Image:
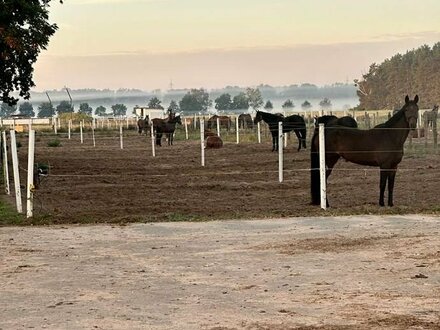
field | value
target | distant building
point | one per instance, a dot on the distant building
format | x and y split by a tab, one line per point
152	113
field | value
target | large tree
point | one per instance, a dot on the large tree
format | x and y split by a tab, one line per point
154	103
64	107
46	110
24	32
240	101
254	97
26	109
223	102
119	110
195	100
6	109
100	111
85	108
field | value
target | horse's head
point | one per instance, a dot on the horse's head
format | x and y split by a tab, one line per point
411	110
435	109
178	120
258	117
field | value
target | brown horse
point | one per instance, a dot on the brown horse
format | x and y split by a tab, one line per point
143	124
381	146
430	116
165	126
245	121
224	121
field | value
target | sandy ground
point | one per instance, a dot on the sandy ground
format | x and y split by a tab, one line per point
369	272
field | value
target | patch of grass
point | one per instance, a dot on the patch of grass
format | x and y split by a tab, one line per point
54	143
8	215
178	217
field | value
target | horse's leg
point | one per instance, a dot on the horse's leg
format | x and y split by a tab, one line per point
303	136
330	162
382	185
299	138
391	177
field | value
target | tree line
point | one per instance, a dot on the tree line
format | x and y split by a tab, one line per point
385	85
195	100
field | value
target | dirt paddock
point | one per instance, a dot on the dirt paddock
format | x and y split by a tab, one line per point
107	184
366	272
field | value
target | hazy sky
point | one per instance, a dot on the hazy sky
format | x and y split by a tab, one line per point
146	44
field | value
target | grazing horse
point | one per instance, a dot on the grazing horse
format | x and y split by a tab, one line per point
381	146
143	124
294	122
245	121
224	121
165	126
430	116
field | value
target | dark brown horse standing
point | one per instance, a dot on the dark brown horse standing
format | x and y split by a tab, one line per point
143	125
381	146
245	121
294	122
224	121
430	116
165	126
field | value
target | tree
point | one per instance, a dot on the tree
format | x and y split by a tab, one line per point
240	102
195	100
26	109
64	107
85	108
119	110
223	102
100	111
288	104
325	103
6	110
154	103
268	106
46	110
24	32
306	105
254	97
173	107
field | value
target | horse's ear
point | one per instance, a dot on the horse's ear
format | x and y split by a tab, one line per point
406	99
416	99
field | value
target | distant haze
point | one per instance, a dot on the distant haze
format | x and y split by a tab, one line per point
150	44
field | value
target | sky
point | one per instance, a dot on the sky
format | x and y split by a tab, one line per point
162	44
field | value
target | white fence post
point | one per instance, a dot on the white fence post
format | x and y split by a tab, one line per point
202	140
259	132
5	165
186	129
16	173
30	176
93	133
237	132
153	146
55	126
322	169
81	131
280	151
69	128
218	126
121	136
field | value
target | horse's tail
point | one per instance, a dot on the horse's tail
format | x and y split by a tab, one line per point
315	182
303	132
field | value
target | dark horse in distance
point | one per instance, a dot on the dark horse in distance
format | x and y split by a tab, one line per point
381	146
245	121
294	122
143	124
165	126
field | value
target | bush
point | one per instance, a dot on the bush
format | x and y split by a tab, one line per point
54	143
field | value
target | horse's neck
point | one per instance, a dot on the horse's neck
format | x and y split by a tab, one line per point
399	126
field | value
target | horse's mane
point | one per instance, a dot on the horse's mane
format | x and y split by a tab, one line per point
395	118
